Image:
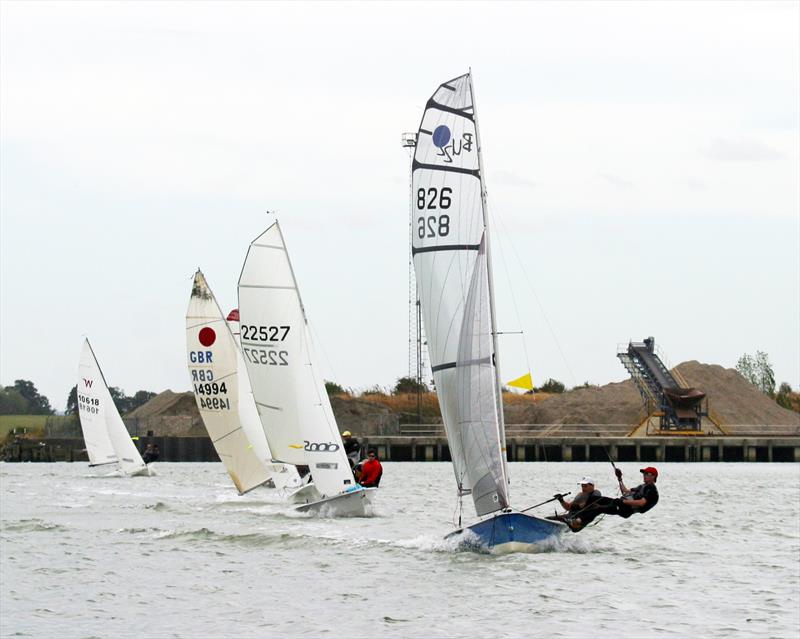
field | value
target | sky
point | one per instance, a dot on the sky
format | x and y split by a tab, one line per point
641	161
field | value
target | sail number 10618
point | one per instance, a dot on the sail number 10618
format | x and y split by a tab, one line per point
433	225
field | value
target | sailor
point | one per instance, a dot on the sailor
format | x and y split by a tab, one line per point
351	448
371	470
587	496
639	500
149	454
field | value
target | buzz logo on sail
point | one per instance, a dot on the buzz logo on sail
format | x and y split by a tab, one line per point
444	141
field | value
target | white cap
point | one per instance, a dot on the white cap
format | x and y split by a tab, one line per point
586	480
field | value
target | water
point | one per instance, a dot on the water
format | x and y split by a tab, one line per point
182	555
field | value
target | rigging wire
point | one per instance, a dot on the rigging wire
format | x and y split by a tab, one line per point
501	223
494	217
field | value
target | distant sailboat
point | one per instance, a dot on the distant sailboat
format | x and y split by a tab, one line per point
291	399
223	396
450	248
107	440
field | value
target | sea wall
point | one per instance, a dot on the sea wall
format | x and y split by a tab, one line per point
434	448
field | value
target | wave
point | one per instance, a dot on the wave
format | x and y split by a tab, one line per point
33	525
256	539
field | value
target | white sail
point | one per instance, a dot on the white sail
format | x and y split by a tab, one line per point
213	367
291	400
449	227
477	398
282	475
107	439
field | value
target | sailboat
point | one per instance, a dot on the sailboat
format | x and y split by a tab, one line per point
223	396
291	398
107	439
452	262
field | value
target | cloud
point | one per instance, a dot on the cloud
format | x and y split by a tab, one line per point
740	151
695	184
617	181
511	179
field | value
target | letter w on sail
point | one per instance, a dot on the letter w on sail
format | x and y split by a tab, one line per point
88	382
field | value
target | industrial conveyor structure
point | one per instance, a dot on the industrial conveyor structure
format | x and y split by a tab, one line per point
678	407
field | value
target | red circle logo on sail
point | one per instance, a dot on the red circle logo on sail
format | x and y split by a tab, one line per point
207	336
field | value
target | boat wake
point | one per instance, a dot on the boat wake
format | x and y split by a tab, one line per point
437	544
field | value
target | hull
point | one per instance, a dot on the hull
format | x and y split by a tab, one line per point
116	471
355	503
507	533
144	472
306	494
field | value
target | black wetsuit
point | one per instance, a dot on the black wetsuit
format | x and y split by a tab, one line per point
609	506
582	500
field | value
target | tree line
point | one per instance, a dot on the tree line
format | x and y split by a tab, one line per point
757	370
24	399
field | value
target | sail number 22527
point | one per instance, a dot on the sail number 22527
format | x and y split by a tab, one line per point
264	333
264	356
432	199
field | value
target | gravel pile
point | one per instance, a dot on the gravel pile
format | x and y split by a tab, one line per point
730	397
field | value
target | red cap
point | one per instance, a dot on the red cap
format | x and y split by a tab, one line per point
650	470
233	316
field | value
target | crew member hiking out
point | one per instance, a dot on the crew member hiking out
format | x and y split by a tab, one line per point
639	500
587	496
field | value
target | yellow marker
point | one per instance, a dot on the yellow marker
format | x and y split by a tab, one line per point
522	382
296	446
136	439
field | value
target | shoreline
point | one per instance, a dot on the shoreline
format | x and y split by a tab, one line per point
656	449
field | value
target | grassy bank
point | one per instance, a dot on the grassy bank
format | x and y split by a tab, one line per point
33	423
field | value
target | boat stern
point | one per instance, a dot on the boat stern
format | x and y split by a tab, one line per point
357	502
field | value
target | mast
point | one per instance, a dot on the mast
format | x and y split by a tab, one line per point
501	426
409	141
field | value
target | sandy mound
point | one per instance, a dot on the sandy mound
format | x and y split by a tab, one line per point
733	398
730	397
167	403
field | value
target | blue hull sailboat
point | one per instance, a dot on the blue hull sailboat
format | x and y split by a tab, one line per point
507	533
452	263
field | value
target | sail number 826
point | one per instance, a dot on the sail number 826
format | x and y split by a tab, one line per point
434	198
433	225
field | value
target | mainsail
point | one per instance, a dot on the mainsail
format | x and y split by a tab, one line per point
276	344
453	272
282	475
107	439
213	367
